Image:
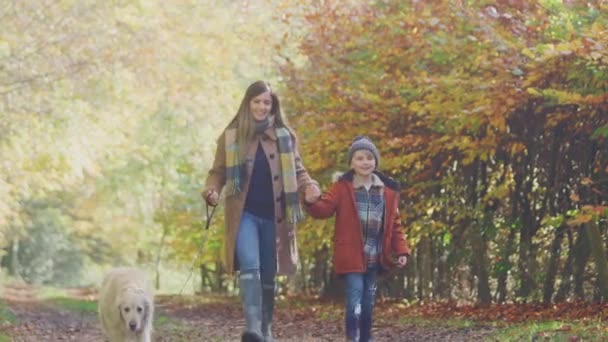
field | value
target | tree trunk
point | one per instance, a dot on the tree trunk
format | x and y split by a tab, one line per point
11	259
566	281
425	275
205	278
158	257
549	285
582	249
503	274
599	255
410	270
442	289
526	254
400	285
479	264
524	247
333	289
15	265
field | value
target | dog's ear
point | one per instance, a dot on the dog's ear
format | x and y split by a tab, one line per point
120	312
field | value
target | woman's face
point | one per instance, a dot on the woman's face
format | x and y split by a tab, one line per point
260	106
363	163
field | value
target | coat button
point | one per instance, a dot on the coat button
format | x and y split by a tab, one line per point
276	178
279	199
279	220
271	156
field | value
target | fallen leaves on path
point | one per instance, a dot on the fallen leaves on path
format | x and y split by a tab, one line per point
218	318
511	312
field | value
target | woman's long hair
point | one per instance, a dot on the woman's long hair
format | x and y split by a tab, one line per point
244	121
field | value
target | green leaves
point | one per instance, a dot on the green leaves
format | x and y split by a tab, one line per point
120	104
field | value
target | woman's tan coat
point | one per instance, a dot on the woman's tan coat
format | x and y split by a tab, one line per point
286	247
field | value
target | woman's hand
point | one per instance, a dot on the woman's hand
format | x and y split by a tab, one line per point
402	261
312	194
211	197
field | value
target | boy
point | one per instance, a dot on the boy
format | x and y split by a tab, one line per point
367	235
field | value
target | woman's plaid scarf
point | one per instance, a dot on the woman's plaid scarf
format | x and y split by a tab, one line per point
235	170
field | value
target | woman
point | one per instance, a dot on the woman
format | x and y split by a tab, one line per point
258	163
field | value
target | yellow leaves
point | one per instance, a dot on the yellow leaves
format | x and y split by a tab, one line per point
416	107
534	92
528	53
517	148
5	48
567	97
547	51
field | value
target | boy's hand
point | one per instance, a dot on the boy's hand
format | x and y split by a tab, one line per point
312	194
402	261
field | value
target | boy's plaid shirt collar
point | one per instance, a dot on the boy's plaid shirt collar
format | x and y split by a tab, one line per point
376	182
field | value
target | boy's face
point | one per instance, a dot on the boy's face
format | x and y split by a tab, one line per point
363	163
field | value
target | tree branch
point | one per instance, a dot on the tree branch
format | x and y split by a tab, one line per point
15	86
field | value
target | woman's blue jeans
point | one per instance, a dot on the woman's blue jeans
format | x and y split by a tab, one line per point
360	298
255	252
255	247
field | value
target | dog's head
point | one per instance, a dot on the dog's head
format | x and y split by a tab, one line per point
134	308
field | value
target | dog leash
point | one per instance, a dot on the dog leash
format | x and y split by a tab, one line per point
200	247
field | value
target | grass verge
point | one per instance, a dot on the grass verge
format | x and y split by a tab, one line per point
436	322
6	318
80	305
553	331
73	304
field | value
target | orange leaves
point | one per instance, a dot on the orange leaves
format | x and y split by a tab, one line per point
587	213
499	312
580	219
445	88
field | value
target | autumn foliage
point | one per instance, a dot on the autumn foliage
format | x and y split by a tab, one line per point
493	116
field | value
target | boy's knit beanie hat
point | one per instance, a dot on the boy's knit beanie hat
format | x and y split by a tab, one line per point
362	142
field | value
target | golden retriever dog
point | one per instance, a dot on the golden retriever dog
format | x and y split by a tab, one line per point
126	305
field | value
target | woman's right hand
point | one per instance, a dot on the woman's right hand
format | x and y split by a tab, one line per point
311	194
211	197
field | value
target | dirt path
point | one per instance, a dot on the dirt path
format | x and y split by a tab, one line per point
180	320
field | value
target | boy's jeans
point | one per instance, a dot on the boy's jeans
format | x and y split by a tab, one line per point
360	298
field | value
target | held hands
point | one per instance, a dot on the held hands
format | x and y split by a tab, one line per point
211	197
312	193
402	261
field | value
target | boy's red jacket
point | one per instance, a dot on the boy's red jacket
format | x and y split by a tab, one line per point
348	234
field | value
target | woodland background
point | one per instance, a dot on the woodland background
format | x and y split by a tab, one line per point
493	115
